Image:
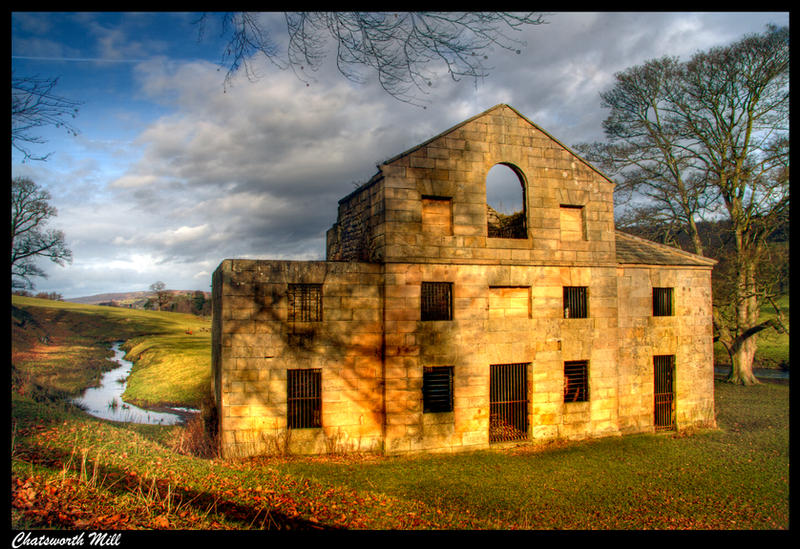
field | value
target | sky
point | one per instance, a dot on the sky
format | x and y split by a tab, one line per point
172	171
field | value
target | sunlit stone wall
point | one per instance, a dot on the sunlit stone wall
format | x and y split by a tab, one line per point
423	218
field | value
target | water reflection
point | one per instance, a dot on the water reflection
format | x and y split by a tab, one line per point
106	401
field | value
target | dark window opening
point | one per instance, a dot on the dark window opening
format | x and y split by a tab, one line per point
508	402
505	204
303	397
575	302
662	302
437	301
664	392
437	389
576	381
305	302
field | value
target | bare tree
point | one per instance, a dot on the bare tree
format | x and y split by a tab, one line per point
34	105
30	212
651	153
710	137
399	48
161	295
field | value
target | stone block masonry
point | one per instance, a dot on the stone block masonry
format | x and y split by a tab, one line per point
416	303
257	343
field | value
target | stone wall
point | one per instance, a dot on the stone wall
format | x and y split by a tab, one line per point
423	218
687	335
255	345
479	336
456	165
352	237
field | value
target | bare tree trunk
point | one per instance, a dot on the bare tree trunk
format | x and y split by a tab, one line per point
742	369
695	234
744	350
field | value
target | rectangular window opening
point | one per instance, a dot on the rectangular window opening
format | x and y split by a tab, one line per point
437	215
303	398
576	381
572	222
437	389
575	302
305	303
662	302
437	301
508	402
509	302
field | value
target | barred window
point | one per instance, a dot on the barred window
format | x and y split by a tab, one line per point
508	402
576	381
303	398
575	302
305	302
437	301
664	392
662	302
437	389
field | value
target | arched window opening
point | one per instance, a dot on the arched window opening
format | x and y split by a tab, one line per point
505	203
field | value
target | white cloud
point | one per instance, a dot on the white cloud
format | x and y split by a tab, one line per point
132	181
139	263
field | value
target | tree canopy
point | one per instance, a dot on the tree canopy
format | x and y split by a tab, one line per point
30	239
708	139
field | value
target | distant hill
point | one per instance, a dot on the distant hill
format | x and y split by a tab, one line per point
177	300
105	298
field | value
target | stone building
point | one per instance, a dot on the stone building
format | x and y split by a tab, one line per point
440	324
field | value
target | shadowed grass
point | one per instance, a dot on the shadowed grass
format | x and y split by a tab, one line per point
736	477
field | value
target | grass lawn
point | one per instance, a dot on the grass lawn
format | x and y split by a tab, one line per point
72	471
734	477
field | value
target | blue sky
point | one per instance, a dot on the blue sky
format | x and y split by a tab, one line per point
171	172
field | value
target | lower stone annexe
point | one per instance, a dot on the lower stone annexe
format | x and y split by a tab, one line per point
259	342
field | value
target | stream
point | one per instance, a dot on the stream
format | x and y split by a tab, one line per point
106	401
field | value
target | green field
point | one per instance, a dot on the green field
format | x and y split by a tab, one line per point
72	471
171	351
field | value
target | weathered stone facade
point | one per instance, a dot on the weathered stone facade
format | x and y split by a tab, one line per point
423	219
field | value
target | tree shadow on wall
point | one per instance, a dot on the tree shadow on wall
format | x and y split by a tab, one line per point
333	344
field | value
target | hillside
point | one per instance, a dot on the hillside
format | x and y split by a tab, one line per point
186	301
105	298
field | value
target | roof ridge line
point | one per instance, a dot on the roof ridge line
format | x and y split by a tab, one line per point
487	111
443	133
